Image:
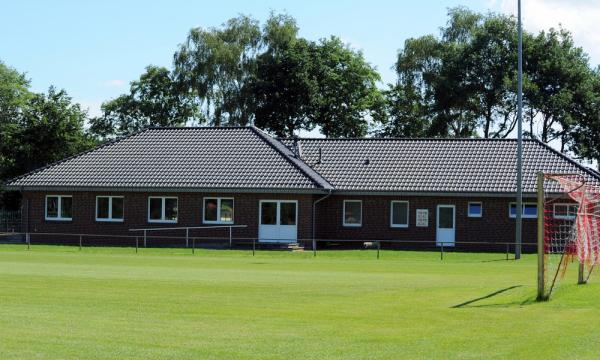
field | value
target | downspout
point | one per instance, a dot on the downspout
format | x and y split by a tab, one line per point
314	221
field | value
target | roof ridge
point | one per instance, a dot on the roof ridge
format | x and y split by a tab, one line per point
587	170
287	154
403	139
98	147
198	127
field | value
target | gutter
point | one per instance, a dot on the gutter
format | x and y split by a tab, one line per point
314	213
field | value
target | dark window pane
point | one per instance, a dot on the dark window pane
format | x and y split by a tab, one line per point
66	208
287	214
530	210
155	209
353	212
171	209
446	218
52	207
227	210
513	210
117	208
210	209
268	213
475	209
102	208
400	213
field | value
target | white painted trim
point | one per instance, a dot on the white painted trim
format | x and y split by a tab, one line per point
401	226
469	209
523	215
563	217
162	217
344	214
218	221
110	217
59	208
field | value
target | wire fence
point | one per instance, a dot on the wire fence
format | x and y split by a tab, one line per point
10	221
193	243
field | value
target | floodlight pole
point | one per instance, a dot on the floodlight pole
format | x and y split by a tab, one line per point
519	219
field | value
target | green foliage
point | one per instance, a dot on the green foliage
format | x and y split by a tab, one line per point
153	100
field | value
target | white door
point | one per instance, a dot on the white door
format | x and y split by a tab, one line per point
446	225
278	221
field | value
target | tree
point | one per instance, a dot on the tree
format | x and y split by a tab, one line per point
216	65
586	132
347	95
49	128
154	100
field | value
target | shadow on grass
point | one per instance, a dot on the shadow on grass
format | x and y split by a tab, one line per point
513	303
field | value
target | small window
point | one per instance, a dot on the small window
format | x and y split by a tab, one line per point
162	209
399	214
218	210
565	211
352	212
59	207
529	210
109	208
475	209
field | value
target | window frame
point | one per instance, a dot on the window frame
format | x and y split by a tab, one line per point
59	208
564	217
162	219
344	214
401	226
110	202
218	221
523	215
469	214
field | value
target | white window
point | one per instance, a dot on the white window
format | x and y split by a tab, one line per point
529	210
399	214
109	208
59	207
475	209
162	209
352	212
565	211
218	211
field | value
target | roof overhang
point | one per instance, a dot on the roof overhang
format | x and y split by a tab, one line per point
163	189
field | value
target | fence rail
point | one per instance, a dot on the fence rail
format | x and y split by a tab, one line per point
10	221
81	239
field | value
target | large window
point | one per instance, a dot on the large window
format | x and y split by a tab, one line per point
529	210
352	212
565	211
109	208
399	214
218	210
475	209
59	207
162	209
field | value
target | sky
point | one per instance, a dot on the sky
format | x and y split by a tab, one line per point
93	50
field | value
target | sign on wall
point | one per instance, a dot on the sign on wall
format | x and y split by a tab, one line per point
422	217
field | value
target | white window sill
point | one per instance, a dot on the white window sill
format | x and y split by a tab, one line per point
399	226
162	221
353	225
110	220
474	215
59	219
218	222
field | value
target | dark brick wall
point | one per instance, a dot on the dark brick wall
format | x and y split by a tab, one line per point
494	225
136	214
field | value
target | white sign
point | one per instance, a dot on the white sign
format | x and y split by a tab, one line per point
422	217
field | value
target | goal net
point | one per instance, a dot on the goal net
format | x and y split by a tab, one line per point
568	229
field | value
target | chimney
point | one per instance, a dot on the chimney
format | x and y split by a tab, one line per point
297	147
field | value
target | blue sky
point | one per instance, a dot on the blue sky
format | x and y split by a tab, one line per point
93	50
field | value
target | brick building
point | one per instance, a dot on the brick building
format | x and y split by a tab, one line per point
424	191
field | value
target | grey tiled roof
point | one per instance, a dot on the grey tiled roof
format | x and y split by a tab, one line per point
432	165
237	158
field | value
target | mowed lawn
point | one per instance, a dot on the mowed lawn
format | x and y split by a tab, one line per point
57	302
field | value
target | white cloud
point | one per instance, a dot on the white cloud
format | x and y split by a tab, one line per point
92	107
580	17
115	83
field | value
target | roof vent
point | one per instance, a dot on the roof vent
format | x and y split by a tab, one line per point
297	147
320	159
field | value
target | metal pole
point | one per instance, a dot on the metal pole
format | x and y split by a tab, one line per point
80	236
507	250
519	219
540	238
193	245
187	237
378	248
230	240
136	243
28	238
144	238
253	246
442	251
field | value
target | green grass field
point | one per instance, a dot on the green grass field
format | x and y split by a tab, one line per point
57	302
